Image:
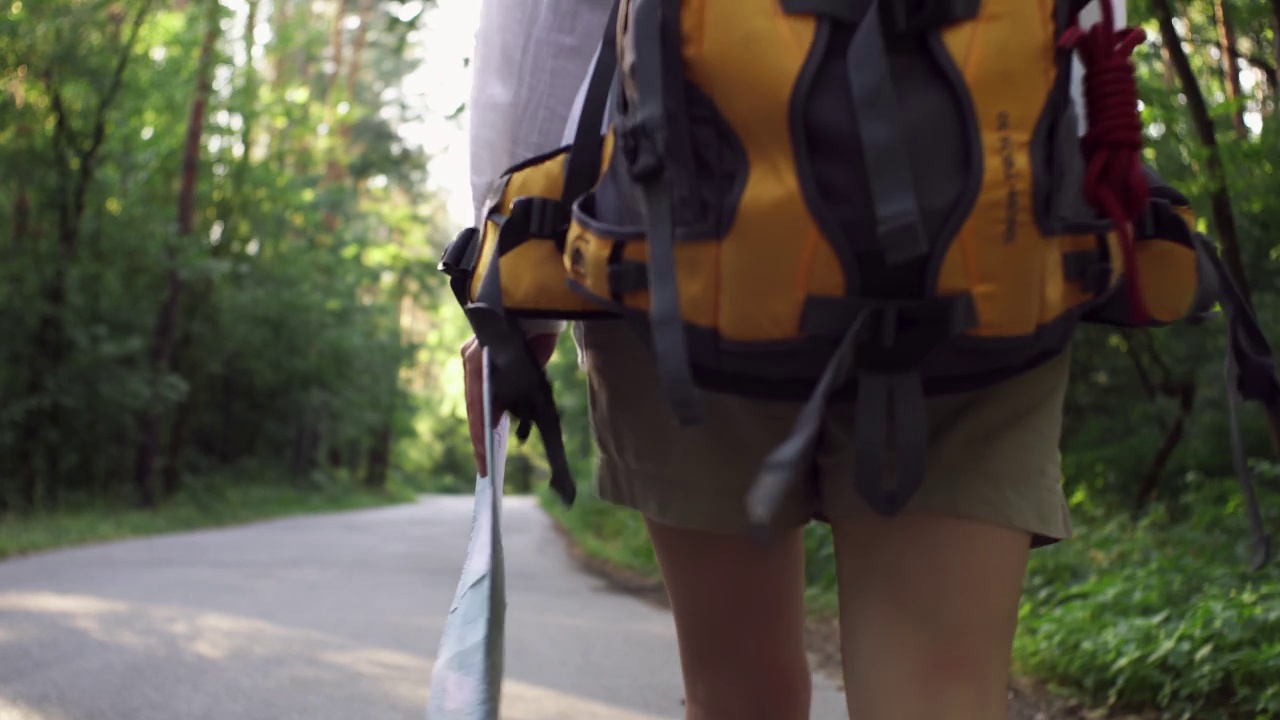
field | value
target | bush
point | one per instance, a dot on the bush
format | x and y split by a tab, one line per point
252	490
1160	612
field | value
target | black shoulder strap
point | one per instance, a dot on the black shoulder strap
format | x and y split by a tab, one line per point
644	138
583	166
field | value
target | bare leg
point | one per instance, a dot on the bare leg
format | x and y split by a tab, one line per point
739	614
928	610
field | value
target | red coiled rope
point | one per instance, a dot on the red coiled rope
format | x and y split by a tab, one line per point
1113	182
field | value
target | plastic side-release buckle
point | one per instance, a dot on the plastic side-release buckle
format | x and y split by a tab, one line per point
459	257
911	17
643	144
458	261
543	217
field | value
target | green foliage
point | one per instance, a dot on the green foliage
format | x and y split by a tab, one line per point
212	501
820	570
295	342
1158	613
277	319
604	531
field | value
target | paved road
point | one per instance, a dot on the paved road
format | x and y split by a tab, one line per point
322	618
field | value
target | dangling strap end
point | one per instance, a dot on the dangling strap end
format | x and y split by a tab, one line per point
547	419
685	405
885	399
775	478
522	430
1261	552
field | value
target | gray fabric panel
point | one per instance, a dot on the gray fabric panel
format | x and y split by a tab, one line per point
899	232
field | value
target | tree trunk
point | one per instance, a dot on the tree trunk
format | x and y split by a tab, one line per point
1275	12
235	234
1158	381
171	473
1150	483
1169	79
357	56
333	165
375	476
1264	66
149	424
227	405
1220	197
303	56
280	23
300	146
1230	66
75	162
21	217
384	438
1223	216
166	325
336	48
298	451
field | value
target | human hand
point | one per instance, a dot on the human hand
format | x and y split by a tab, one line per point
543	346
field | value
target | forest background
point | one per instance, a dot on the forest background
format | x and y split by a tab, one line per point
219	301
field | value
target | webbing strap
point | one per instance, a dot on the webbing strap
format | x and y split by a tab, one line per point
583	166
886	162
521	387
627	276
644	139
882	398
1261	540
1091	269
519	384
906	18
1251	375
490	292
459	262
903	18
547	218
782	467
850	11
892	339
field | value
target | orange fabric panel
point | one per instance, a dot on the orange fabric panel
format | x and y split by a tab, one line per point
533	279
746	55
546	179
587	262
1168	278
533	274
1007	58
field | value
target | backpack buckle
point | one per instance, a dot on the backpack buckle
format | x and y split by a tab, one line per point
643	144
459	257
913	17
543	217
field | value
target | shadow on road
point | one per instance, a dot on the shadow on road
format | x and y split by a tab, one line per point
84	657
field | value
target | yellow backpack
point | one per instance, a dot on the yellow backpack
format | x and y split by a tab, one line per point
888	198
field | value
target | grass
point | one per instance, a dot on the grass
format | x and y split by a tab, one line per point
1161	612
605	532
199	505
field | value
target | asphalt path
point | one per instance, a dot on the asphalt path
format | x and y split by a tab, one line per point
328	617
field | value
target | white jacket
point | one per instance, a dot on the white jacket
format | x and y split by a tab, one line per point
530	58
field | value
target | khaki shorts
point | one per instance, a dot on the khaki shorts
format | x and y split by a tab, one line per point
993	454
